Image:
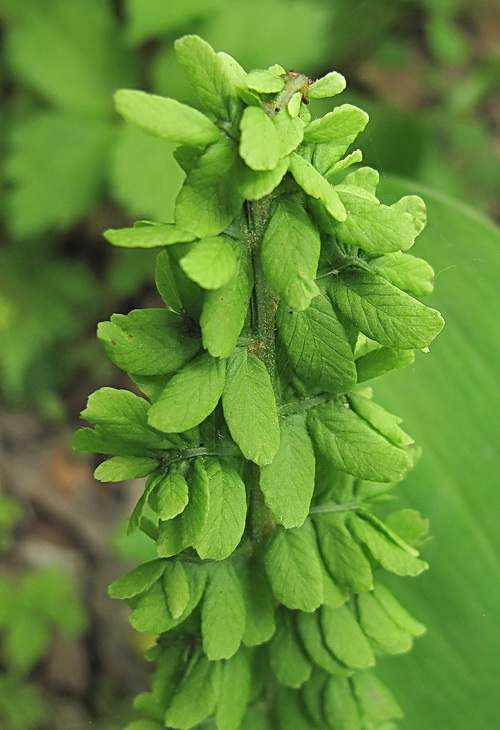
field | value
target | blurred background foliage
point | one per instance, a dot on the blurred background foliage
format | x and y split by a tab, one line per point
428	73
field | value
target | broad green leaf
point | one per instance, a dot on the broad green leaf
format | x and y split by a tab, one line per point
381	420
335	596
409	273
312	639
383	312
150	613
170	664
293	567
120	468
347	441
385	548
330	85
364	177
290	131
376	702
395	610
148	341
344	637
288	481
292	711
318	346
168	119
190	396
259	605
264	81
209	199
222	613
256	184
380	628
381	361
165	282
235	692
250	407
342	555
176	588
225	310
259	141
137	580
288	661
149	236
315	185
290	253
197	695
340	706
170	494
226	512
211	263
333	134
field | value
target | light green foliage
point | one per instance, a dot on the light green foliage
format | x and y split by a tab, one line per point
283	291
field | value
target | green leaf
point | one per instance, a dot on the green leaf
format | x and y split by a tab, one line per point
211	263
293	106
288	661
166	118
409	273
375	700
333	134
342	555
209	199
318	346
222	613
340	706
190	396
264	81
345	639
150	613
312	638
312	697
379	419
259	604
315	185
256	184
364	177
348	442
288	481
196	696
293	567
121	468
137	580
165	282
290	131
410	525
330	85
383	312
385	547
250	407
398	614
170	494
381	361
235	692
290	253
378	626
147	236
148	341
259	141
176	588
226	513
225	310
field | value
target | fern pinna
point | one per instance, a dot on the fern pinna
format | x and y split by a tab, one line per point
286	288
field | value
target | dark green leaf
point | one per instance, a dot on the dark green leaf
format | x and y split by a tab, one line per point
342	555
235	692
222	613
312	638
165	282
288	661
170	494
345	639
340	706
197	695
259	625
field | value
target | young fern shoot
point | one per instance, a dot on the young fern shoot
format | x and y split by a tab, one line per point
287	287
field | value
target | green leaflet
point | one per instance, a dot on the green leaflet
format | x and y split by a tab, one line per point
288	661
335	596
224	311
409	525
259	604
259	141
340	706
138	580
345	639
196	696
190	396
381	361
347	441
212	75
312	697
184	530
121	468
166	118
311	636
364	177
256	184
333	134
293	106
409	273
293	568
165	282
148	341
317	346
381	420
264	81
342	555
330	85
226	512
380	628
222	613
290	253
147	236
250	408
211	263
288	481
315	185
176	588
169	666
170	494
399	615
235	692
376	702
290	131
209	200
383	312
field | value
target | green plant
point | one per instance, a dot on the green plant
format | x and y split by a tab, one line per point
287	288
